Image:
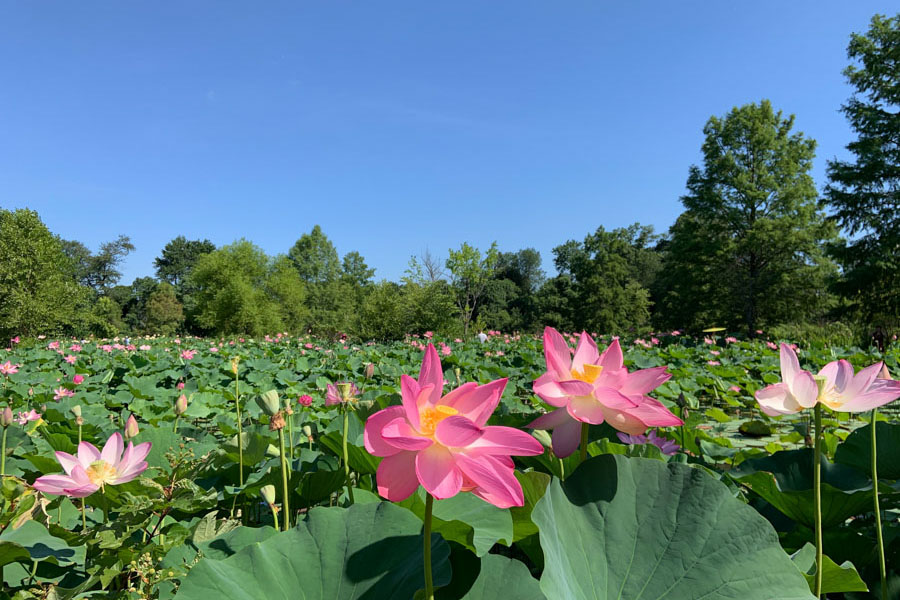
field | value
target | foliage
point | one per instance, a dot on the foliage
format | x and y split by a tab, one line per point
748	248
164	311
470	273
863	192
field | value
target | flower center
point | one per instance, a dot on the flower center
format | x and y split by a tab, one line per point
101	472
588	374
826	395
430	417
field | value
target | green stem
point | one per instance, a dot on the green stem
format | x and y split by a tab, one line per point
881	563
83	517
285	502
584	442
817	492
290	425
429	584
562	468
275	516
344	443
175	428
3	454
79	433
237	411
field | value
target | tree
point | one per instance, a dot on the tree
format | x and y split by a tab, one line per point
177	259
315	257
100	271
355	270
38	292
284	286
748	248
470	272
864	193
164	311
609	274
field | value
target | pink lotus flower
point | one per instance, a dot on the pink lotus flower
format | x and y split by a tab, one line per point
305	400
735	389
75	348
61	392
8	368
835	386
590	387
15	340
93	469
145	347
213	349
713	363
731	340
180	385
188	354
24	417
443	442
70	359
78	379
53	346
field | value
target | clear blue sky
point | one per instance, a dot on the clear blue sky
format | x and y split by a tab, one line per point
396	126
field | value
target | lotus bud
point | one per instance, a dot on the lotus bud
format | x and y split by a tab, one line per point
307	431
131	428
234	364
268	402
268	494
180	385
370	370
181	405
78	379
542	436
885	374
6	417
277	421
304	400
76	410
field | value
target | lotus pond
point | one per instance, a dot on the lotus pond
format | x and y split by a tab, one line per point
299	468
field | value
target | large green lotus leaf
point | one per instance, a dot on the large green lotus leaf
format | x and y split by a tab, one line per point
642	529
785	480
835	578
856	450
489	578
366	551
467	520
42	546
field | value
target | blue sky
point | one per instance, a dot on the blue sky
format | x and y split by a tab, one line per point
396	126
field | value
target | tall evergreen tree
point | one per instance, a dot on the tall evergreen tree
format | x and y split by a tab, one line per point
864	193
747	251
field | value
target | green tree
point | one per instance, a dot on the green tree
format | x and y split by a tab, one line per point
286	289
747	251
610	273
178	257
164	311
510	301
864	193
384	314
470	271
315	257
98	271
38	292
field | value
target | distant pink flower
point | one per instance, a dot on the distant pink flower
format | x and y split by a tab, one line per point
71	359
146	347
835	386
213	349
15	340
676	333
731	340
591	387
53	345
457	341
715	352
188	354
92	469
8	368
308	346
772	345
61	392
713	363
78	379
177	341
654	341
75	348
333	394
24	417
445	350
305	400
499	353
429	334
443	443
735	389
708	341
180	385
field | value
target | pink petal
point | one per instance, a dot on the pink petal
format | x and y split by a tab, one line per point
547	388
804	389
396	476
566	438
432	374
130	472
478	405
644	381
410	391
881	392
53	484
624	420
838	373
112	449
653	413
790	366
437	472
82	491
551	420
575	387
87	454
777	400
134	455
374	442
400	434
457	431
585	352
586	409
612	358
506	441
861	381
496	482
556	353
67	461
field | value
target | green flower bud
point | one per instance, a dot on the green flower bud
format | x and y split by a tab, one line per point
268	494
269	402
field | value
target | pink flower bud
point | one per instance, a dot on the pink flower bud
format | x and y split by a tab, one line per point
78	379
6	417
180	385
131	427
305	400
181	405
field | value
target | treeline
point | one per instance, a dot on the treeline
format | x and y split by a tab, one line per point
756	247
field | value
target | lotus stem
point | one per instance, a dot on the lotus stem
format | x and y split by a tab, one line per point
83	517
429	584
344	444
878	533
237	412
275	516
3	454
584	442
284	483
817	495
175	427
